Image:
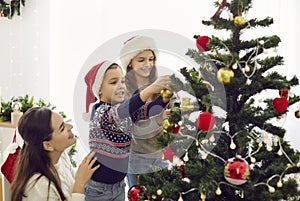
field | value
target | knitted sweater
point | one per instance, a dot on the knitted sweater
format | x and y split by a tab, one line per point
110	133
145	138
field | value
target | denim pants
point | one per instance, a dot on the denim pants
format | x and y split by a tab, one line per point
97	191
142	165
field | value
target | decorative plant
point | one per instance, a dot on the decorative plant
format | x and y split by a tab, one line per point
26	103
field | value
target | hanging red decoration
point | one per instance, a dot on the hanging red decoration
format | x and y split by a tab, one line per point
168	154
280	104
205	121
182	166
201	43
176	128
134	193
220	9
284	93
237	171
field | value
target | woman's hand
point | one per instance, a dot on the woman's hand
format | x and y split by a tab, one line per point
85	172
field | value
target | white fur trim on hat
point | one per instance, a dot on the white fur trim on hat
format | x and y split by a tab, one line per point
135	45
99	78
93	80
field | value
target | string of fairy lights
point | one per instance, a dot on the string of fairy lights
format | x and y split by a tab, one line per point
262	139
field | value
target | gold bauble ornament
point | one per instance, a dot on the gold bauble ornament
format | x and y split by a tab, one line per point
239	20
297	114
166	93
225	75
167	124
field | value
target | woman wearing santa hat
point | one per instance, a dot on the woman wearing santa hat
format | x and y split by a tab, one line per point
110	126
138	57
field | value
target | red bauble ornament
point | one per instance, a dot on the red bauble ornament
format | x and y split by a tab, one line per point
280	104
134	193
237	171
206	121
201	43
284	93
176	129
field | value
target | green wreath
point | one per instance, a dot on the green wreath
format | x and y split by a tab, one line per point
9	9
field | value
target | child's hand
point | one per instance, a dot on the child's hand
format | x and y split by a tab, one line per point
85	172
162	82
162	116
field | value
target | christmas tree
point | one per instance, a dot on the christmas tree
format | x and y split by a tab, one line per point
241	154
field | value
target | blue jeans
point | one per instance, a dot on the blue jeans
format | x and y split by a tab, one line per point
97	191
131	180
142	165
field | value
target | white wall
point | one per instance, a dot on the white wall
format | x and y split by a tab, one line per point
53	40
24	52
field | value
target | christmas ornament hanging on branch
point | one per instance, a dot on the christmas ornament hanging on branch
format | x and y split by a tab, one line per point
9	9
281	104
239	20
225	75
284	93
297	114
206	121
168	154
236	171
135	192
202	42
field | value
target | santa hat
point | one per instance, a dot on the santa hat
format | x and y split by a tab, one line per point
135	45
93	80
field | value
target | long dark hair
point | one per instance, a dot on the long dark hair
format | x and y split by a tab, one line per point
130	79
34	127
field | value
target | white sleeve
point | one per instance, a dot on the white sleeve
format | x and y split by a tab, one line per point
39	191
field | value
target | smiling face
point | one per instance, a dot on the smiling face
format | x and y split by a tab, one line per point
62	136
113	86
143	63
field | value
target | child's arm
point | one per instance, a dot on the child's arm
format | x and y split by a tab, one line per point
131	105
150	109
161	83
